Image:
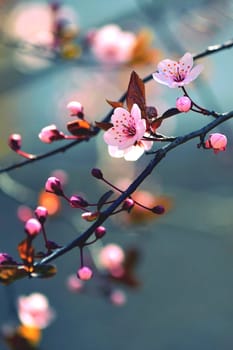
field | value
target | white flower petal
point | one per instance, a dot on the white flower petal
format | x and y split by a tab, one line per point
133	153
115	152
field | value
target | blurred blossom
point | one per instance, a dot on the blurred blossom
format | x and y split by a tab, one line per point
24	213
110	44
118	297
74	284
61	174
50	201
111	257
34	310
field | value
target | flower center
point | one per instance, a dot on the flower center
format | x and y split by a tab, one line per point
129	130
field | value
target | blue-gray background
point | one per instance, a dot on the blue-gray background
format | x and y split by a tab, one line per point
185	301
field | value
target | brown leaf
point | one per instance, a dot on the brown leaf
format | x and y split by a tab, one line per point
115	104
26	251
104	126
79	127
10	273
136	93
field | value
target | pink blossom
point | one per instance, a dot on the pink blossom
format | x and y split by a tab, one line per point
124	138
41	213
74	284
175	74
183	104
50	133
118	297
110	44
216	141
34	310
111	256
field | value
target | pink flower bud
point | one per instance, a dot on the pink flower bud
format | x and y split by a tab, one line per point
53	185
78	202
183	104
128	204
75	108
32	227
216	141
15	142
100	232
41	213
50	133
84	273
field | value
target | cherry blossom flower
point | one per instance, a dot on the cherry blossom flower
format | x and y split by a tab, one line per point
124	139
34	310
176	74
110	44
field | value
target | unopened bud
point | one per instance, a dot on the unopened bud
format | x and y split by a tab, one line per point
41	214
216	141
183	104
78	202
32	227
158	209
97	173
128	204
85	273
75	108
100	232
15	142
88	216
53	185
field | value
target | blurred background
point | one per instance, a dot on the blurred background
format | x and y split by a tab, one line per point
185	263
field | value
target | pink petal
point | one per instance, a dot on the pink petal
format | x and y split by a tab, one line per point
193	74
163	79
186	62
147	145
136	113
119	114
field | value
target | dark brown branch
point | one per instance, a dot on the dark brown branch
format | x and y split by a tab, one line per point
209	51
159	155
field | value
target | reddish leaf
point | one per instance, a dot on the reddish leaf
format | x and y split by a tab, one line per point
26	251
136	93
115	104
104	126
10	273
169	113
155	125
79	127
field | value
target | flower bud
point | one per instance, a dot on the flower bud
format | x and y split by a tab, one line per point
15	142
97	173
183	104
50	133
85	273
100	232
128	204
75	108
158	209
216	141
6	259
78	202
88	216
32	227
53	185
41	214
